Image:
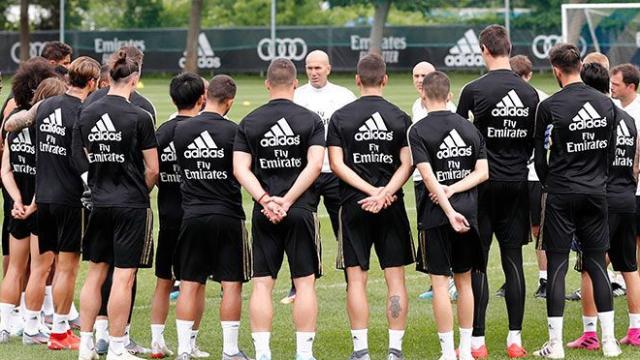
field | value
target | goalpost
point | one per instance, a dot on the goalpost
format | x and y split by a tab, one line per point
609	28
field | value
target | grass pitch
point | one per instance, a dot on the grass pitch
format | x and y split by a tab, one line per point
333	337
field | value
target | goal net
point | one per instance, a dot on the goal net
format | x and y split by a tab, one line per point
610	28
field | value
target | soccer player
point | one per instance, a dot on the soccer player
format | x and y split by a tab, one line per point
120	143
574	148
212	203
187	93
450	154
368	151
522	66
277	157
323	97
502	107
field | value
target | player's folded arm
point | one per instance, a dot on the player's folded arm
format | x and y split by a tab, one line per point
8	181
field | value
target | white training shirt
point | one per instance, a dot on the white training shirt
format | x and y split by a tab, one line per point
324	102
419	112
532	169
633	109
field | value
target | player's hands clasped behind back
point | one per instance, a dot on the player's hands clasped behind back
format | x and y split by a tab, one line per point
381	199
274	208
22	212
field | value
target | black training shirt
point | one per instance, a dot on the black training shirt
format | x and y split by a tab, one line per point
22	157
136	99
204	147
621	184
371	132
59	166
114	133
575	140
278	136
169	199
502	106
452	146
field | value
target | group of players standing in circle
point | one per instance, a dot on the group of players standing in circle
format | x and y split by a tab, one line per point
79	163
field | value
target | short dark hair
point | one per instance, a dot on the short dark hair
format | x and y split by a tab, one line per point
122	66
596	76
521	65
495	39
221	88
82	70
185	90
371	69
27	79
281	72
565	57
56	51
436	86
630	74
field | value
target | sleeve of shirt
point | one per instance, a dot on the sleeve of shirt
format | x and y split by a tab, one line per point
334	138
241	143
78	156
542	139
317	136
146	133
466	102
419	153
407	125
482	146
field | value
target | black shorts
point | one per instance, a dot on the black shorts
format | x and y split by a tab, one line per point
535	202
503	210
328	186
21	229
582	216
121	237
166	262
297	235
622	238
637	215
442	251
388	231
6	220
60	228
215	245
421	192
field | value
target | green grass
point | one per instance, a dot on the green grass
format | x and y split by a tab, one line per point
333	338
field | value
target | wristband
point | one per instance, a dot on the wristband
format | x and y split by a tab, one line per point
262	197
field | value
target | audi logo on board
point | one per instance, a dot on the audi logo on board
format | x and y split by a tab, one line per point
291	48
542	44
35	48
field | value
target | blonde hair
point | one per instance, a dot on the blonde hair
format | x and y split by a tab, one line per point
82	70
49	87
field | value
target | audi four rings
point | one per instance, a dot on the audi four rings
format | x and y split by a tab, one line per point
542	44
291	48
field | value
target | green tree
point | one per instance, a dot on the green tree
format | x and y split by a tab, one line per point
142	14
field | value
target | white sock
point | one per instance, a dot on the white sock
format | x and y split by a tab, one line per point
157	334
184	336
23	304
261	344
542	274
465	340
359	338
73	312
589	323
59	323
395	339
304	343
15	321
446	344
5	316
194	337
514	337
612	276
555	328
634	321
102	329
230	331
127	337
477	341
31	322
116	345
47	304
607	324
86	341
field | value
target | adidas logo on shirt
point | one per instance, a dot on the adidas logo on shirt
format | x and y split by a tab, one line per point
453	146
206	56
466	52
203	146
510	105
587	118
169	153
374	129
53	123
22	143
280	134
104	130
624	136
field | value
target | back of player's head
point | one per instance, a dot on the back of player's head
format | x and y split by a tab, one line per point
221	88
82	70
49	87
131	51
436	86
56	51
371	70
26	80
596	76
596	57
565	57
185	90
630	74
122	66
521	65
495	39
281	73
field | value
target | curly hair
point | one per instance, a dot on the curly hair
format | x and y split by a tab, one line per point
26	80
